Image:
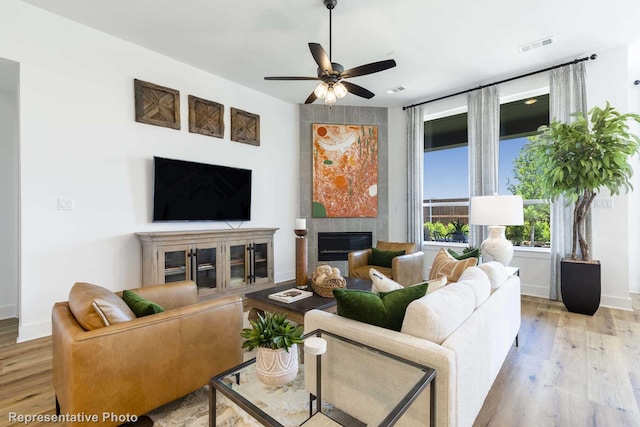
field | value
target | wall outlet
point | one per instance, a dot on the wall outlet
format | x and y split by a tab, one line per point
65	204
603	203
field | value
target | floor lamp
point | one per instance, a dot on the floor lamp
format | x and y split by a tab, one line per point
496	212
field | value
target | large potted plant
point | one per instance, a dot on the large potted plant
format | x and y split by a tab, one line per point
577	160
276	340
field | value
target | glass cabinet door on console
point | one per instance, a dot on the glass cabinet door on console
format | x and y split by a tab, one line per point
174	263
237	256
207	267
261	261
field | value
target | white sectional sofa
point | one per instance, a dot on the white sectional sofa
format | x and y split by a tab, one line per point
464	331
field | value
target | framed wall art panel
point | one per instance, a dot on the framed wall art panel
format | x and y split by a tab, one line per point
206	117
245	127
157	105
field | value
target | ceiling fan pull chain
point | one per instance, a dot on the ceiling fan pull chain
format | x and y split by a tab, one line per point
330	41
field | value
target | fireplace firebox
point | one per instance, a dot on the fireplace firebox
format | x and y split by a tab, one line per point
335	246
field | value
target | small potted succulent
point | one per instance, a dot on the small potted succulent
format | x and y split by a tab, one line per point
276	340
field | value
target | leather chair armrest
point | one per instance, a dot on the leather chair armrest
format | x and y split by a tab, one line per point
408	269
358	258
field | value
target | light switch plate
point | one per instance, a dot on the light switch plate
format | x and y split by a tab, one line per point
65	204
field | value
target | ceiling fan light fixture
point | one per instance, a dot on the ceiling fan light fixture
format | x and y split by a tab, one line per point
330	98
340	90
321	90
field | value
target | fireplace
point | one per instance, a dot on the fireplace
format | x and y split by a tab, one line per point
335	246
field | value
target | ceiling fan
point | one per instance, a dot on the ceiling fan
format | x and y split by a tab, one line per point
332	75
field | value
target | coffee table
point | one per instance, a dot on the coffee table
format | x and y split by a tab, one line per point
324	393
295	311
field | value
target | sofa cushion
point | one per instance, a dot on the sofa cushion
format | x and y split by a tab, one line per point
408	248
139	305
383	258
95	307
496	272
385	309
435	316
479	283
445	264
382	283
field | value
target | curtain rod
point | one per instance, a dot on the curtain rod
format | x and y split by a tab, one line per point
575	61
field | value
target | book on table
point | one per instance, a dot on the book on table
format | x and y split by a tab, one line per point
290	295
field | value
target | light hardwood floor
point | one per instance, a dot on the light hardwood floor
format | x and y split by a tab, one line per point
569	370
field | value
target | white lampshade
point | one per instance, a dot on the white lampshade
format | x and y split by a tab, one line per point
496	210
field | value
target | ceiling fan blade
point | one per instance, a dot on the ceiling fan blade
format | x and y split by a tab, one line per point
371	68
291	78
358	90
321	57
311	98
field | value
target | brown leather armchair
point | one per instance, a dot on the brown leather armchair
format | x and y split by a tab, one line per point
141	364
407	269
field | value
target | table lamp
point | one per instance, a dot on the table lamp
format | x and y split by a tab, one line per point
497	212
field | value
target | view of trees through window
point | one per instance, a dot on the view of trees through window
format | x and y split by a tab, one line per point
446	176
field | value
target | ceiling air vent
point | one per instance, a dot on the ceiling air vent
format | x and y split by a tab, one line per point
395	89
537	44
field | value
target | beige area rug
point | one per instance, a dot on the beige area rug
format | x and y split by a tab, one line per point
193	409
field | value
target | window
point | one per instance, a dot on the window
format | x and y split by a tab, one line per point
446	187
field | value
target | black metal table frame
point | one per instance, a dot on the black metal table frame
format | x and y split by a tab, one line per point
429	376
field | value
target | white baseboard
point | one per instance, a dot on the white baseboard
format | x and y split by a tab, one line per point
8	312
616	302
534	291
34	331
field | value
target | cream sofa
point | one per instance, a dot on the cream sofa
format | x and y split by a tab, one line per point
464	331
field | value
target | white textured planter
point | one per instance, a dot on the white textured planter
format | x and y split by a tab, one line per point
277	367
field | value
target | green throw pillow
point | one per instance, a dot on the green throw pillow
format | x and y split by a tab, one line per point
385	309
140	306
473	253
383	258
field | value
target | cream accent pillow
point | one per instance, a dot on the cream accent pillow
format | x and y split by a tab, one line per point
435	316
477	280
382	283
496	272
436	284
445	264
95	307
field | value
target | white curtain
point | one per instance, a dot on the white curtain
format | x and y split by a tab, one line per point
567	95
415	174
484	135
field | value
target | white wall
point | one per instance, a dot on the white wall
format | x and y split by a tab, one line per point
616	235
8	189
79	140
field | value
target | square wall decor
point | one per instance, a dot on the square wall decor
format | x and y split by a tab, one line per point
345	171
157	105
206	117
245	127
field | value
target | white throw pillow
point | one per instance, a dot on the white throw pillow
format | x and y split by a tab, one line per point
435	316
382	283
478	281
496	272
436	284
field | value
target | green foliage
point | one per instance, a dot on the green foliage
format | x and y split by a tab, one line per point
272	330
437	230
578	159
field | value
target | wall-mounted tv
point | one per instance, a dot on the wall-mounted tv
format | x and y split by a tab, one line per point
190	191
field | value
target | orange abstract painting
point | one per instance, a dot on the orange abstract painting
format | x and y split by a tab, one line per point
345	171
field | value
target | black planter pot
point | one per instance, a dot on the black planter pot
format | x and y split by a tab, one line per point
580	286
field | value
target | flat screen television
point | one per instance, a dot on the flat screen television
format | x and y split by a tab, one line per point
190	191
